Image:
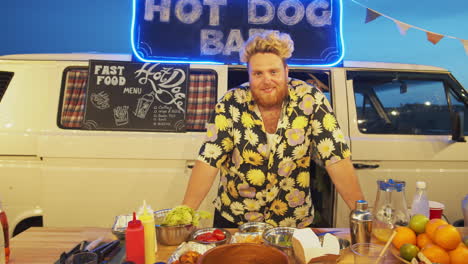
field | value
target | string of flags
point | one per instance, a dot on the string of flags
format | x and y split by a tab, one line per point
432	37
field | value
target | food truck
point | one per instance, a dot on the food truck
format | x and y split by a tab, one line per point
86	137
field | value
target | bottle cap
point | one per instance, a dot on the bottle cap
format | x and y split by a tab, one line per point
146	214
361	205
421	185
134	223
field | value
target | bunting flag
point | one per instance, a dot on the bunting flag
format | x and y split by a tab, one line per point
432	37
371	15
465	44
402	27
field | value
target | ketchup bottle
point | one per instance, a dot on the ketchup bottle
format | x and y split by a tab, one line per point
6	237
135	241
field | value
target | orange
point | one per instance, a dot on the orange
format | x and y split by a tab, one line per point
432	225
422	240
436	254
404	235
447	237
459	255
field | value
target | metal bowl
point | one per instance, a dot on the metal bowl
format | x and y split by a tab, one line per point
254	227
170	235
120	225
281	238
209	230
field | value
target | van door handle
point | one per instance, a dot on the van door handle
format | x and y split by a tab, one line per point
365	166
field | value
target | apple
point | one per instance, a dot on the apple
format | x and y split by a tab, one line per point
418	223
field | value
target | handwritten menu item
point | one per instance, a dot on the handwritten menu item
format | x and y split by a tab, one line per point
136	96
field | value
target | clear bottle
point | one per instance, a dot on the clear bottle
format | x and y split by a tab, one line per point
420	203
360	223
465	210
390	208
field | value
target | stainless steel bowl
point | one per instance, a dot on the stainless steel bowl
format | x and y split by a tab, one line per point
120	225
226	233
170	235
254	227
281	238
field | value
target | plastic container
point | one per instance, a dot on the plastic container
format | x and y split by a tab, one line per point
420	203
390	209
360	223
5	242
147	219
135	241
465	210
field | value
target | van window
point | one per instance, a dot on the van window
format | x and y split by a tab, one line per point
403	103
5	78
201	98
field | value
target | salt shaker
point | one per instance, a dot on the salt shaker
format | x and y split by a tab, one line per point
360	223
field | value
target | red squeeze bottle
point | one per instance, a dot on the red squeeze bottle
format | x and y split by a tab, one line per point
6	237
135	241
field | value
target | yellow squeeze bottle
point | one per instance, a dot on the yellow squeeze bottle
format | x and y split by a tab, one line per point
147	219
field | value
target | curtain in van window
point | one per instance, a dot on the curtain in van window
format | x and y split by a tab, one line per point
201	100
74	99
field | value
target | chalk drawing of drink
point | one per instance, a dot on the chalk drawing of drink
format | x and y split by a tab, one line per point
121	115
143	105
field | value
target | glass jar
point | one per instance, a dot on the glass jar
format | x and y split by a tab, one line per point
390	208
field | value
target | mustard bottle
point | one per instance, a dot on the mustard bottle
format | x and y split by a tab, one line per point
147	219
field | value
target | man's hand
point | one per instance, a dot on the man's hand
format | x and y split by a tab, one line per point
346	182
199	185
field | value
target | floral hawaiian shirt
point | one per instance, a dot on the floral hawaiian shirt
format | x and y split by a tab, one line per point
271	186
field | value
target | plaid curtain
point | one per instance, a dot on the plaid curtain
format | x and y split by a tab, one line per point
201	100
74	98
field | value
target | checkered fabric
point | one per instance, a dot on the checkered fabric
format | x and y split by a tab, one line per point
74	98
201	100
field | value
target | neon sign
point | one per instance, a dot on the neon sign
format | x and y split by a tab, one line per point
213	31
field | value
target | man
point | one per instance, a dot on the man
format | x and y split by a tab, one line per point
261	139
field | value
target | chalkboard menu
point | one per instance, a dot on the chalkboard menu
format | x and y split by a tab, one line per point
136	96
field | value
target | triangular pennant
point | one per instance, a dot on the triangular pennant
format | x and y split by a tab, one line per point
434	37
371	15
465	44
402	27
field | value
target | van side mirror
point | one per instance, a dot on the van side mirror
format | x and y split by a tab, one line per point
458	127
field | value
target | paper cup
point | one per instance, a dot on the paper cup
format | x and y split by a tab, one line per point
435	209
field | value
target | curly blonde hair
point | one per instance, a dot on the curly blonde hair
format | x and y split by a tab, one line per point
268	41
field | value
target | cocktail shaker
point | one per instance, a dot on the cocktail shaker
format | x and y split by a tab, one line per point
360	223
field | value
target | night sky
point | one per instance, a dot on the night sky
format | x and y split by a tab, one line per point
59	26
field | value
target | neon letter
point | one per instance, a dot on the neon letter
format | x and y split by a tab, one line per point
163	9
234	42
269	12
214	10
188	17
210	41
318	21
296	17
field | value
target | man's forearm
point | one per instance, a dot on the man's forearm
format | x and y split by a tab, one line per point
199	185
346	182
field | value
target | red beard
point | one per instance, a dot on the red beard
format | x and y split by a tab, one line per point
270	99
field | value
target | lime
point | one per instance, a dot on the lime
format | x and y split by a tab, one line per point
408	251
418	223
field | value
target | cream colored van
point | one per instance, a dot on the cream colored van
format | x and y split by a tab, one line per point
403	122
